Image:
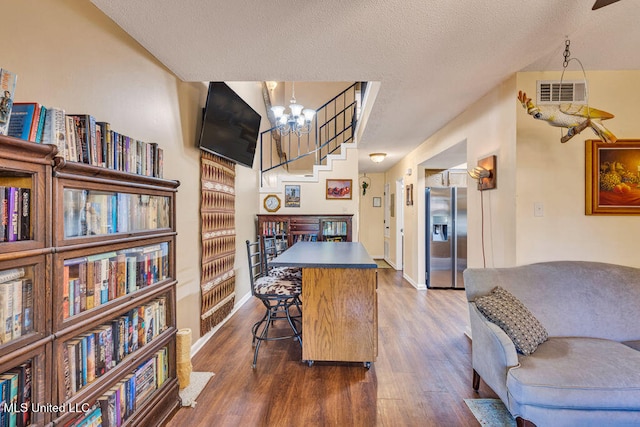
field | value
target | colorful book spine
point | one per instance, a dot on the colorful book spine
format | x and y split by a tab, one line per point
4	213
12	210
6	312
70	139
16	287
11	397
27	306
24	203
7	91
40	128
54	132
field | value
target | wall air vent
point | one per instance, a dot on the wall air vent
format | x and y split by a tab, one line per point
570	91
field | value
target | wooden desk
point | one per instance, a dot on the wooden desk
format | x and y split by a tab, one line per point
339	300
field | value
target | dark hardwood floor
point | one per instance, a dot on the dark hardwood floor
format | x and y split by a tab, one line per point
422	374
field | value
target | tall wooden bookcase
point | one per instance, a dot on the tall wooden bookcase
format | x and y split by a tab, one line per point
100	254
306	227
25	327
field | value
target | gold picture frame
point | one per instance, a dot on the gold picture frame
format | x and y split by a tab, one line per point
612	177
339	189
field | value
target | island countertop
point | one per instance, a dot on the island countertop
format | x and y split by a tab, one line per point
325	255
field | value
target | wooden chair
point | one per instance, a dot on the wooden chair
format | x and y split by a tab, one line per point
277	295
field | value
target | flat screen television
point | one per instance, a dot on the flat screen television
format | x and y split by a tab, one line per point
230	127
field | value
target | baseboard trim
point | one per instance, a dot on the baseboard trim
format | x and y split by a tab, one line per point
412	283
197	346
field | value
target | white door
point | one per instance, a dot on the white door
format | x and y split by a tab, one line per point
399	223
387	219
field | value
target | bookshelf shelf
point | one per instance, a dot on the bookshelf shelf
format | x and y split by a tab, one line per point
91	392
23	168
35	268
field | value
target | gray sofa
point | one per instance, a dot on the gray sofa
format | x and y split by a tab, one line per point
587	373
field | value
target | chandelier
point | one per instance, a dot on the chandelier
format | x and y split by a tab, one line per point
298	120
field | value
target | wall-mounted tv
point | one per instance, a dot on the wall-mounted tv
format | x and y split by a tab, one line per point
230	126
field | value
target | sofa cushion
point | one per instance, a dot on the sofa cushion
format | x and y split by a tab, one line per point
506	311
578	373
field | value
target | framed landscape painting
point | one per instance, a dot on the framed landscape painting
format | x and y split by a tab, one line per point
612	177
338	189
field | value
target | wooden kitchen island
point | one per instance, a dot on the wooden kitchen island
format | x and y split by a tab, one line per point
339	300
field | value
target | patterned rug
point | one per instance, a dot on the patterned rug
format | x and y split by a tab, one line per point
197	383
490	412
217	212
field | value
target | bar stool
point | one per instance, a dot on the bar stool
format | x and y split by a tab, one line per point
277	295
272	247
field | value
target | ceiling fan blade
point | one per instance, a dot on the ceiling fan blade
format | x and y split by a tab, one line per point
602	3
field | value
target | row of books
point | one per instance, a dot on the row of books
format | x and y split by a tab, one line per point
305	238
15	396
97	279
88	212
7	92
94	353
16	304
115	407
334	228
15	214
271	228
81	138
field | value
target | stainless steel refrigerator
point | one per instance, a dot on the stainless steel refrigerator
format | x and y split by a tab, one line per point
446	236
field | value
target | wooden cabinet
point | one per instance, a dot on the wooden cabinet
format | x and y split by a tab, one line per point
25	291
87	272
113	289
310	228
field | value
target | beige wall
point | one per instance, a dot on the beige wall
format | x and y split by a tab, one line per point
372	219
68	54
487	127
535	169
312	192
552	173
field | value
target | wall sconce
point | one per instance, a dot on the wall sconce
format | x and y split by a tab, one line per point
485	173
377	157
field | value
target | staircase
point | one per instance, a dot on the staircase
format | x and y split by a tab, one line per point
295	157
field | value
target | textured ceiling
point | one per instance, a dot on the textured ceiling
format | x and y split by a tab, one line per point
432	58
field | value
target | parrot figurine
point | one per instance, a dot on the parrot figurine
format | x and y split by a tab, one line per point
573	117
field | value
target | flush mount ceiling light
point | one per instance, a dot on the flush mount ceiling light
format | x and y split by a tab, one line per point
377	157
298	120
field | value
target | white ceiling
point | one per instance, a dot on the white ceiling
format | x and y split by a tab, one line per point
433	58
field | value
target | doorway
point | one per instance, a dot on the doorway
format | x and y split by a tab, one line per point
400	224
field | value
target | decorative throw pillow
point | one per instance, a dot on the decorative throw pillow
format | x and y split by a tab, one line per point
505	310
